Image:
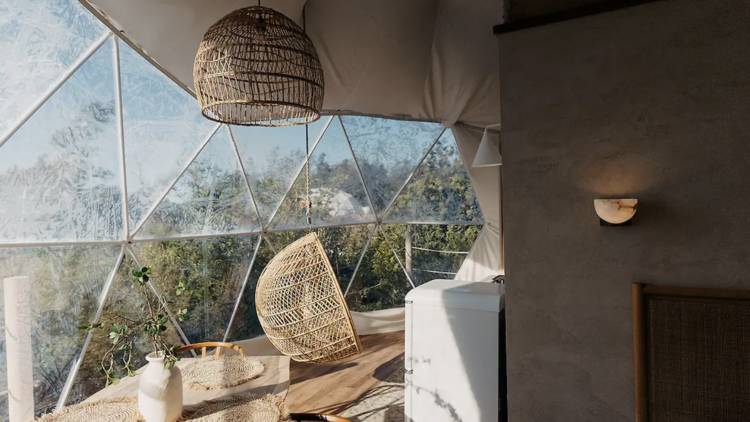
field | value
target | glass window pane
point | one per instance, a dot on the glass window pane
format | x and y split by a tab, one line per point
40	41
437	250
380	282
343	246
336	190
60	173
246	324
388	151
66	286
163	129
210	198
213	270
272	158
124	305
440	190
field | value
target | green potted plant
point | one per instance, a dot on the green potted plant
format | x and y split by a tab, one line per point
160	388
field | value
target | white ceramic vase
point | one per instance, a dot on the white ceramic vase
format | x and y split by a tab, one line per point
160	391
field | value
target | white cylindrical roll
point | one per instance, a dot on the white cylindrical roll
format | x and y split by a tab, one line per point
18	349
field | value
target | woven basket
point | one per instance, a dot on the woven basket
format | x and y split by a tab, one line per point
257	67
301	307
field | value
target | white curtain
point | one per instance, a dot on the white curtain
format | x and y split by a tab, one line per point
485	258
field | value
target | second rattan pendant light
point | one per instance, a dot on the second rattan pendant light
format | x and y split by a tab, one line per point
257	67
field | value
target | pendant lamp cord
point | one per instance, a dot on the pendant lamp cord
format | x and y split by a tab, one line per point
308	203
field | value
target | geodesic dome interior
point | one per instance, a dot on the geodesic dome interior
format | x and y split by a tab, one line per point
107	165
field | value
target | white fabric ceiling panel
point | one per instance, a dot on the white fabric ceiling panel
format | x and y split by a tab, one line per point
463	80
423	59
170	31
375	54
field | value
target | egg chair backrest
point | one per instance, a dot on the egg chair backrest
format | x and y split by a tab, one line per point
301	307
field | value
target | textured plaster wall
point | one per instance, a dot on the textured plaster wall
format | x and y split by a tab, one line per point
651	102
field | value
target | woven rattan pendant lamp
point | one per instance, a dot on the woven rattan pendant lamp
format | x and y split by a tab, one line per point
299	302
257	67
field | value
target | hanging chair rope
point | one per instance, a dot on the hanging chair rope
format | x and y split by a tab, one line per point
307	149
308	202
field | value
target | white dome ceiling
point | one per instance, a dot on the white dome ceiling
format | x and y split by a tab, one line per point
423	59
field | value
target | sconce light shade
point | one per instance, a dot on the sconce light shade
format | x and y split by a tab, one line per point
615	211
488	153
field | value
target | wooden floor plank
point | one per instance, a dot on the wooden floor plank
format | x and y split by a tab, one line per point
333	388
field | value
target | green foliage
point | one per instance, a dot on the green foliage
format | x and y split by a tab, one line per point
122	337
208	274
205	275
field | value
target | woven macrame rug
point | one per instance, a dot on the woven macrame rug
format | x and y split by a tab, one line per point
120	409
239	408
214	373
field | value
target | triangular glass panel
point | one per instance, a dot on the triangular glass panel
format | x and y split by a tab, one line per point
41	41
210	198
60	173
246	324
125	305
380	282
440	191
65	285
163	129
272	158
213	270
388	151
336	190
436	252
343	246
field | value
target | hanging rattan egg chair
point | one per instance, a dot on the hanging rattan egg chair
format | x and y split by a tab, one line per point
301	307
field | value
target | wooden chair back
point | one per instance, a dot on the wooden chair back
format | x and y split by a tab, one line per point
317	417
211	344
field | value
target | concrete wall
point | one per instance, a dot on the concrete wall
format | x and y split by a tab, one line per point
651	102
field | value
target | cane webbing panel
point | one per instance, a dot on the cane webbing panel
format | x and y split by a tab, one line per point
301	308
698	359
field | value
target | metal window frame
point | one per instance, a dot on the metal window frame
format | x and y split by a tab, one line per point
156	204
298	173
121	136
361	258
129	239
68	386
400	264
359	169
161	302
93	48
242	289
244	176
411	175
